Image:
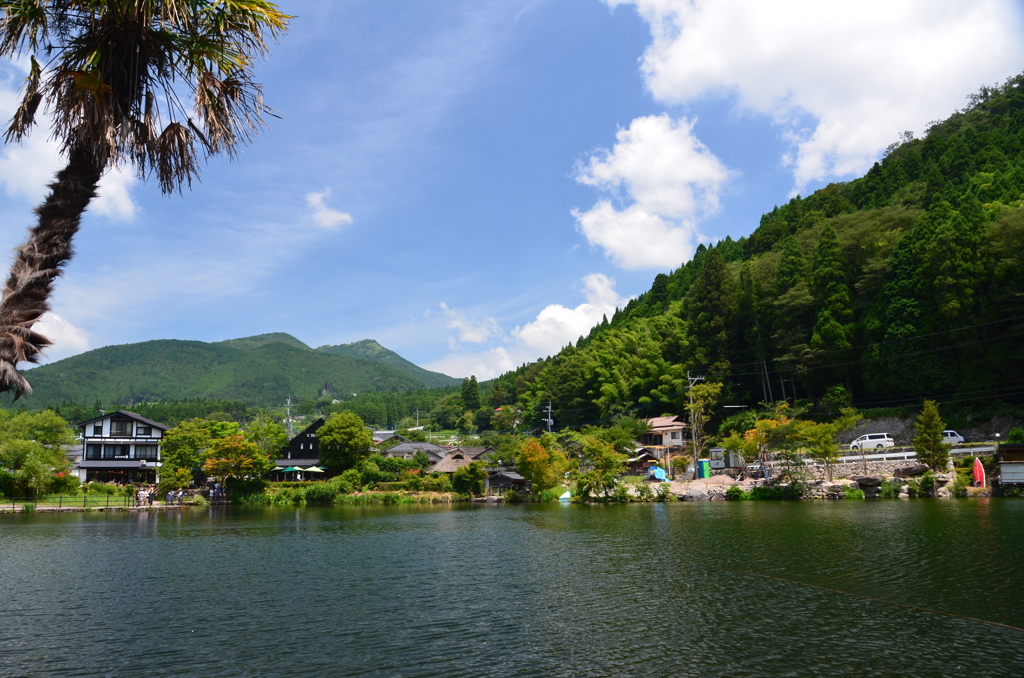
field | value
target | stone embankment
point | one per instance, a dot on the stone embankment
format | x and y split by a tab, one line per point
715	487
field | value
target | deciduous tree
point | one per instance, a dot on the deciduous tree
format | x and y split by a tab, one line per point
236	457
344	440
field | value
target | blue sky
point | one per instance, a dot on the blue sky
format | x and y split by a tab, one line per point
474	184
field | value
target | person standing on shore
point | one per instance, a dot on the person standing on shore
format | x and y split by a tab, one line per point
170	497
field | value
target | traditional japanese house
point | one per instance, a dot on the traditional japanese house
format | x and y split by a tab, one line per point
121	447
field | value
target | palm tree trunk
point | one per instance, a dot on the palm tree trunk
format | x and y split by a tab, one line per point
37	263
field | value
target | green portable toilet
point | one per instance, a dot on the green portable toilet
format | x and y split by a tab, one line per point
703	468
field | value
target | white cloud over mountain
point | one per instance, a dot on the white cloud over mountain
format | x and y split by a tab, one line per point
554	327
864	70
666	178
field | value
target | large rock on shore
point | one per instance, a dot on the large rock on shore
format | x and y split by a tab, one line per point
868	481
696	495
910	470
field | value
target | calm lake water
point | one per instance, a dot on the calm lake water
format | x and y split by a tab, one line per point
684	589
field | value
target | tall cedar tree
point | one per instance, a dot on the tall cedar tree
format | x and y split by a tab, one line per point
471	394
833	327
708	309
928	440
793	311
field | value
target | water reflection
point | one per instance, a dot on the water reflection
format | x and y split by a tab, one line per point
679	589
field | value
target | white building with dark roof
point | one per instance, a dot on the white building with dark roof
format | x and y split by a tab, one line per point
121	447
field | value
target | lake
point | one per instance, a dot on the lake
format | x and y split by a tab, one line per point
809	588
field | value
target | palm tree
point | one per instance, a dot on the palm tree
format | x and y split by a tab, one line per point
115	76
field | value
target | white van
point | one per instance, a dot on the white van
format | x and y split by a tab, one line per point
872	441
952	438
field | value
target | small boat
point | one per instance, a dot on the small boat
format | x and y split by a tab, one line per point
979	473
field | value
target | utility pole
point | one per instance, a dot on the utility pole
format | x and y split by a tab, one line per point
693	440
549	420
417	417
288	417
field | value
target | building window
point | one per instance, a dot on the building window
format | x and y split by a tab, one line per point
116	451
93	451
141	430
97	429
120	428
147	452
675	435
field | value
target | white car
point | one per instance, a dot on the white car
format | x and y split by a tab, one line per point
952	438
872	441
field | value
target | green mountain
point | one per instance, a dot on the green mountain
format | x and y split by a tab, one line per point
260	370
263	340
369	349
904	284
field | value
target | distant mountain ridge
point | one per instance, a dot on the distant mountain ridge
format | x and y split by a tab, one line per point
259	370
369	349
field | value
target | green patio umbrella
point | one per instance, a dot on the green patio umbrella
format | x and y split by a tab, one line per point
290	469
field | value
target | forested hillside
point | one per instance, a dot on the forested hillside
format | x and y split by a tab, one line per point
371	350
261	370
905	283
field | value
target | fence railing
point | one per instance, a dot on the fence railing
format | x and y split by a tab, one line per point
69	501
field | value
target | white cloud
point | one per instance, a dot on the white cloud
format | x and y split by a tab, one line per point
67	339
471	331
554	327
113	199
557	326
865	70
28	168
324	216
484	364
672	180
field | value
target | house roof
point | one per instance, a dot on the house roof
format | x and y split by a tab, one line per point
405	448
673	423
130	415
644	456
511	475
475	451
454	461
377	440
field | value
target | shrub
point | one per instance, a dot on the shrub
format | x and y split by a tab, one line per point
320	494
438	482
470	479
551	494
65	483
961	482
1010	491
1016	435
644	492
511	496
850	493
736	493
663	493
620	493
251	486
890	488
926	484
197	500
99	488
347	483
28	508
776	492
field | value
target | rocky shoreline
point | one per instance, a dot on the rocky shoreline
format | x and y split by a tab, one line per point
907	474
